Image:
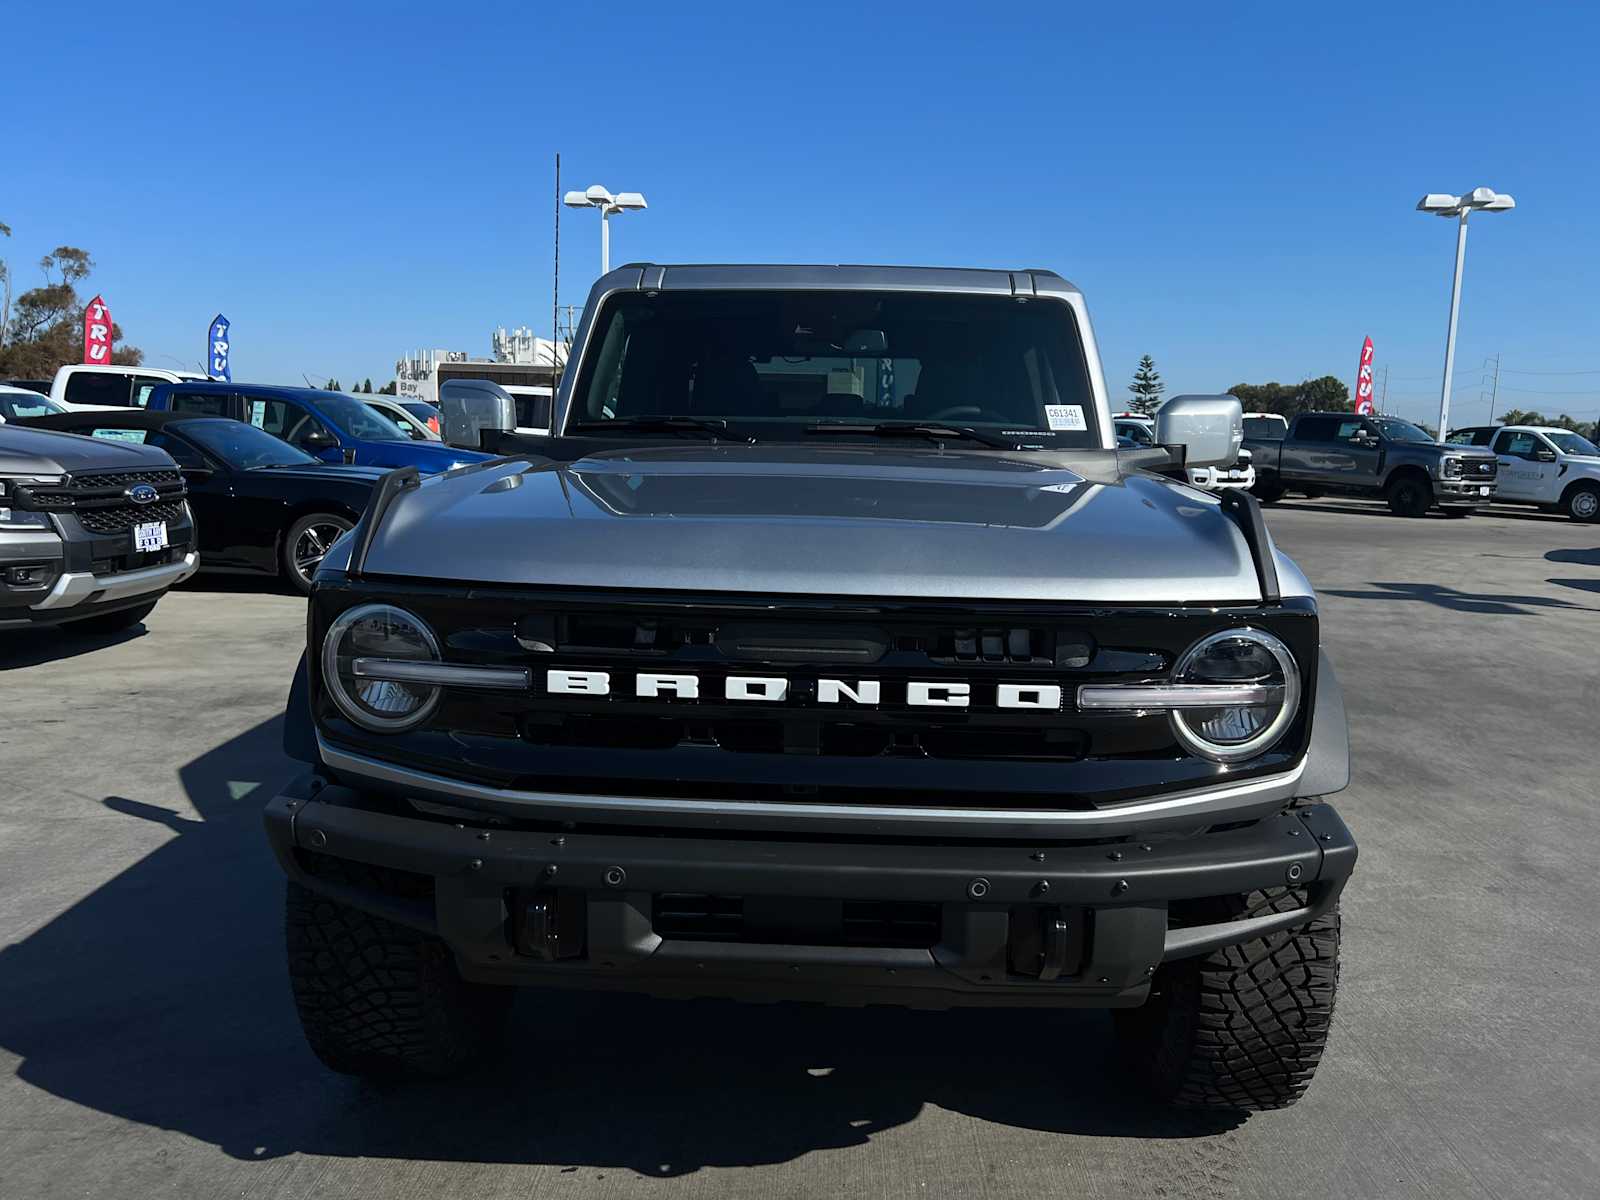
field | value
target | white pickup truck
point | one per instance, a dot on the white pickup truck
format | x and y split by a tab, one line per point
83	387
1555	469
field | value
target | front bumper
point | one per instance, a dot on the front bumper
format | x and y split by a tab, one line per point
1463	491
76	588
1113	910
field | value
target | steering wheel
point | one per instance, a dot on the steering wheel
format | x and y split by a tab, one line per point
968	413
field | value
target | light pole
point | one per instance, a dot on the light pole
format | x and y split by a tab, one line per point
1443	205
598	197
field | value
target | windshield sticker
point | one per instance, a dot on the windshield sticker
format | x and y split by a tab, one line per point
1064	416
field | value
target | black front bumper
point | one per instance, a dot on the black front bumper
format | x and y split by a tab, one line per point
1112	911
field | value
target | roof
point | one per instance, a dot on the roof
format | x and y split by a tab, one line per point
209	387
9	390
843	277
106	418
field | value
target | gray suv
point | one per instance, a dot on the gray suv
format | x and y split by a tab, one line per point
92	532
829	649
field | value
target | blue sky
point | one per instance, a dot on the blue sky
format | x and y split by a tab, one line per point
1232	186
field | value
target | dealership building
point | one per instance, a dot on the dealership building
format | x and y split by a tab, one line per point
520	359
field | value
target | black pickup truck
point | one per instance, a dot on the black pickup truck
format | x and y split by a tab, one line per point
1349	454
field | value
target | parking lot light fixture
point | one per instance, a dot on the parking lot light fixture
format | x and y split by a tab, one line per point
1442	204
599	197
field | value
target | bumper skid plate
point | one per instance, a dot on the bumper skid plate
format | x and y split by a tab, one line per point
1063	925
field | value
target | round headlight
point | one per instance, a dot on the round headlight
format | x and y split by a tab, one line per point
381	632
1238	657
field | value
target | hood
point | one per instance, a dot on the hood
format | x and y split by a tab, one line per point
869	522
46	452
425	456
334	472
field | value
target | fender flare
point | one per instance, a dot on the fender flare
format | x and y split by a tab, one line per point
1328	755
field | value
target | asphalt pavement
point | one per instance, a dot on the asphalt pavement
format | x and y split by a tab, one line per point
148	1046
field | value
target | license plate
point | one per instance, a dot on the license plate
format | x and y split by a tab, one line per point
150	537
1483	491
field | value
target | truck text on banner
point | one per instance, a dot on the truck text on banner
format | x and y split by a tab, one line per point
97	333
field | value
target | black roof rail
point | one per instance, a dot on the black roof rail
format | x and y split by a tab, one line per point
390	486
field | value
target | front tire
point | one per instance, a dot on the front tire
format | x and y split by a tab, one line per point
1409	496
1244	1027
379	999
306	543
1267	491
1582	503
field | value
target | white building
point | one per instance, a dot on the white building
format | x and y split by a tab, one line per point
521	360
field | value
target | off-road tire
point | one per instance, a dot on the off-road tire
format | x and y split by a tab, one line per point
112	622
1409	496
380	999
1241	1028
1582	503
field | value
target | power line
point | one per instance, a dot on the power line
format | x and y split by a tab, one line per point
1514	371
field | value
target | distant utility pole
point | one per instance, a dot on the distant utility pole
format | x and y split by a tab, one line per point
555	286
1494	390
1383	401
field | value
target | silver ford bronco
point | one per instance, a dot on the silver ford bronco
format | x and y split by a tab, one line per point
828	649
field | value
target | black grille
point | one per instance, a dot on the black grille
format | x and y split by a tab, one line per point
1480	468
796	921
125	517
99	482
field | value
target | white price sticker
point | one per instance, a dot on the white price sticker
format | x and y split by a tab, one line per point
152	536
1064	417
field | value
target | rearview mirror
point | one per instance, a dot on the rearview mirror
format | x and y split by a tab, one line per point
1209	428
868	343
471	407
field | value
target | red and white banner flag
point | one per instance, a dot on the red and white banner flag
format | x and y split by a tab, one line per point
1364	404
97	333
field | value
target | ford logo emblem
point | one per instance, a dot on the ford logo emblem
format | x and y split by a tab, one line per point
142	493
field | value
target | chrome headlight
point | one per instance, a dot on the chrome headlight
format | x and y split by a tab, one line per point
1452	468
17	517
1243	691
379	633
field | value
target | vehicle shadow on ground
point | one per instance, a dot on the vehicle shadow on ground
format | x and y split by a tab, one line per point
53	643
161	998
1458	601
228	584
1378	508
1583	558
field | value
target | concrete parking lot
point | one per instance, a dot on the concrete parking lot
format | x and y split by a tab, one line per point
148	1046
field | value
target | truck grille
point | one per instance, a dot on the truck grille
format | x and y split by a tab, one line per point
1480	468
813	744
99	499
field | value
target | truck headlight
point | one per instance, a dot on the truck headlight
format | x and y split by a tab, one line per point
1452	468
1256	674
15	518
379	632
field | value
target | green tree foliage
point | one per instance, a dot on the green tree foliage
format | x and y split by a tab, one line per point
1519	416
46	323
5	290
1326	394
332	386
367	387
1146	387
388	389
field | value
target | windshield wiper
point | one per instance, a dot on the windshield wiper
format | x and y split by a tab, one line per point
935	430
651	423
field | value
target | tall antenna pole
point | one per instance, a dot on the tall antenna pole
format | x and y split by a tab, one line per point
555	286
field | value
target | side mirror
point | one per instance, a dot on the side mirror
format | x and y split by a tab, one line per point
471	407
1543	455
197	474
318	439
1209	428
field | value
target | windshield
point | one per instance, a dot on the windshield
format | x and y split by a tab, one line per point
1397	430
239	445
1572	443
1265	429
15	406
774	364
355	420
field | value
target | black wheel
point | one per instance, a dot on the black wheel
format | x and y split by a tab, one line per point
1456	511
112	622
1242	1028
1267	492
1409	496
382	1000
1582	503
304	546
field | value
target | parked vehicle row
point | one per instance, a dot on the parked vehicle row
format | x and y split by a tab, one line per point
1343	453
1555	469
